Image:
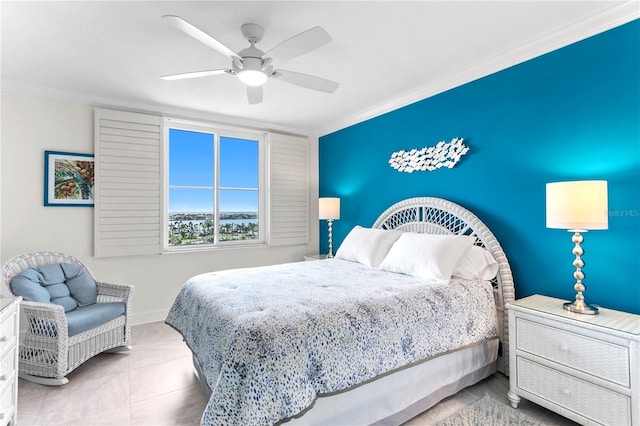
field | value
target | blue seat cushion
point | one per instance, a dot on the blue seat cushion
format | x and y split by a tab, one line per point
61	283
87	317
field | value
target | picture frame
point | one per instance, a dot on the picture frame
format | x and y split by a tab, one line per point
68	179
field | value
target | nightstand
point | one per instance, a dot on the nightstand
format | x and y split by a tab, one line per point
315	257
584	367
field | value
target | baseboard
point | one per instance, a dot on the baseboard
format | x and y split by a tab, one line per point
149	317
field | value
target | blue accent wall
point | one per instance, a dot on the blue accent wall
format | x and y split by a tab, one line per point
571	114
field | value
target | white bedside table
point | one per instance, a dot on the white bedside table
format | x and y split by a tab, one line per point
584	367
315	257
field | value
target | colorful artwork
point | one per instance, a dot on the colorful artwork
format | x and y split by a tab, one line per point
69	179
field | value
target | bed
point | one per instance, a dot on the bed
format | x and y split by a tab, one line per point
339	341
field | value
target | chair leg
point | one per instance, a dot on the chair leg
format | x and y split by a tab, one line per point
117	349
48	381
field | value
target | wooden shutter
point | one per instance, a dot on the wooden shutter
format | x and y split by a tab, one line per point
288	190
128	183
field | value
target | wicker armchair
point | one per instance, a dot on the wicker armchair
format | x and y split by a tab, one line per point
47	353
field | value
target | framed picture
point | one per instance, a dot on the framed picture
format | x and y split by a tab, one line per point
68	179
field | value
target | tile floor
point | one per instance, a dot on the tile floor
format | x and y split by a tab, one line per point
154	385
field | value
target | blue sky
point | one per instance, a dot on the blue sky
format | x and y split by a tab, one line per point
191	163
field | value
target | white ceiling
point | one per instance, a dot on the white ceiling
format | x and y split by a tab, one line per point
384	54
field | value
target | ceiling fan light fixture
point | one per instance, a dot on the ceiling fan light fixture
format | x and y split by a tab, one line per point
250	72
252	77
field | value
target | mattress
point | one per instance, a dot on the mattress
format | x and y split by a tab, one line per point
270	340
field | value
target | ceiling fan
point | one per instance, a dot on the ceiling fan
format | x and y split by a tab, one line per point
253	66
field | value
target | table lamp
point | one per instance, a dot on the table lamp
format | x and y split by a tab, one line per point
578	207
329	210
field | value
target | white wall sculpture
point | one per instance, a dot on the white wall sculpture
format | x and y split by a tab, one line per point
429	158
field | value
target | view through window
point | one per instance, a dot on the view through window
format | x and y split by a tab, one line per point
214	188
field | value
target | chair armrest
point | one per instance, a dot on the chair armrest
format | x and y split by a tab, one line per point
109	292
45	319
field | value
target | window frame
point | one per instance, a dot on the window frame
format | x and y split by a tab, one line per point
218	131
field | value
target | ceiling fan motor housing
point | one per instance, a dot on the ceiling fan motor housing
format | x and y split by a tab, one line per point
252	69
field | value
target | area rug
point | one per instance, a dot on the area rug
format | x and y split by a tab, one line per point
489	412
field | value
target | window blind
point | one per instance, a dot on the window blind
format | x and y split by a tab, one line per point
288	190
128	183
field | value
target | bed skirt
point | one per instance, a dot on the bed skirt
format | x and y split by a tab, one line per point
397	397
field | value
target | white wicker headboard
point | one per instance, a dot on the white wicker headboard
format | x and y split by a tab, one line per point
438	216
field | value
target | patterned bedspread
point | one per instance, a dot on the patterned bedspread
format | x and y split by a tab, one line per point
271	339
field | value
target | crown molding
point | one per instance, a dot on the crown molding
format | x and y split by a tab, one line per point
618	14
157	109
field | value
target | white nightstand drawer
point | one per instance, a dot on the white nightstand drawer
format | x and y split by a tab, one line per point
586	399
595	357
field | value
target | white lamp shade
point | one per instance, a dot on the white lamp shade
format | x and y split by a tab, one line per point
580	205
329	208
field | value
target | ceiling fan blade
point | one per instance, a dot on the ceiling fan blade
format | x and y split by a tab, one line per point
299	44
200	35
194	74
305	80
254	94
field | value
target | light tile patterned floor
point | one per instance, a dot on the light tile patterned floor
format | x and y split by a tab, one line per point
154	385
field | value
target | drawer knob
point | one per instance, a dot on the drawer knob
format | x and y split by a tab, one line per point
564	348
3	377
3	339
566	392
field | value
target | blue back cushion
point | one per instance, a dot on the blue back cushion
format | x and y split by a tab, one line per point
61	283
81	285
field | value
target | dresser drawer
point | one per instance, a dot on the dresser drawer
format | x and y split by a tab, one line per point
586	399
595	357
7	367
8	376
7	405
7	331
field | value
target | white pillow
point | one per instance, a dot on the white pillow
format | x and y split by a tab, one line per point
367	246
428	256
476	263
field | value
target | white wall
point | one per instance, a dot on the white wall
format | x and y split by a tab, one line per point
31	125
0	178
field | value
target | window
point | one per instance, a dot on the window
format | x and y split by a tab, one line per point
132	194
215	186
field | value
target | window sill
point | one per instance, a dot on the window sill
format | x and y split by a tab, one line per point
195	249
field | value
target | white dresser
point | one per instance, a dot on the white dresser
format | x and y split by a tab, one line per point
9	316
584	367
